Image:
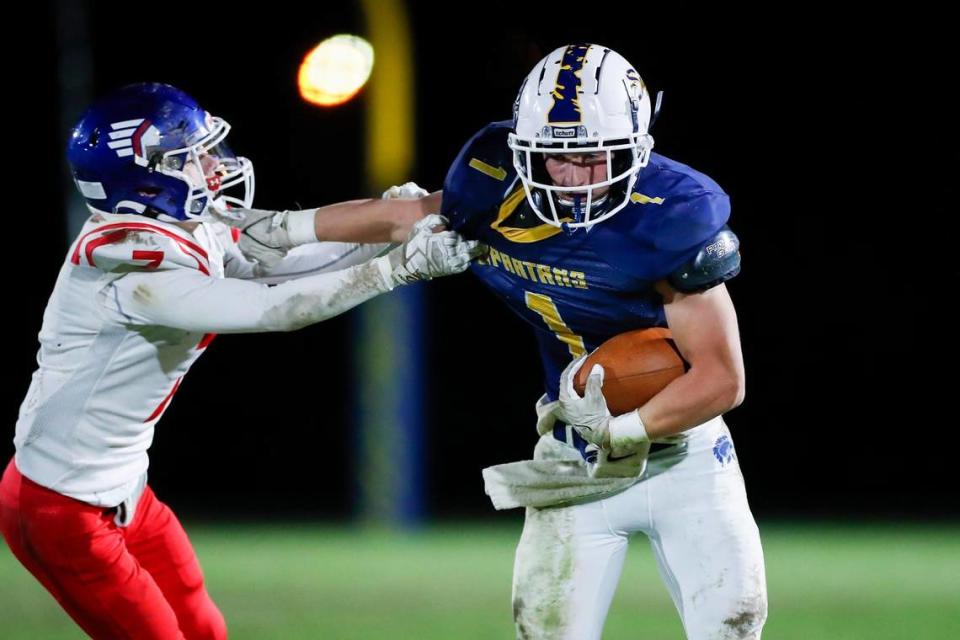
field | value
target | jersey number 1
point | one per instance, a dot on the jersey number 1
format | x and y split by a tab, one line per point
547	309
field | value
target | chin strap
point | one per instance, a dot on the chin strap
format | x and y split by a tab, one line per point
576	208
656	110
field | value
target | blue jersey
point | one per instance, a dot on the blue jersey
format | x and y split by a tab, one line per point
577	289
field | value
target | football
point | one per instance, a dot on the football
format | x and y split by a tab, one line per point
637	365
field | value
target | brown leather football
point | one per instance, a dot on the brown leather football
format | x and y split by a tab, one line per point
637	365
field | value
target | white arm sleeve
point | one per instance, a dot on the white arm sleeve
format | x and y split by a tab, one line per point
304	260
189	300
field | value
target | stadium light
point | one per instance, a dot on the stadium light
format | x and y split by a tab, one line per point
335	70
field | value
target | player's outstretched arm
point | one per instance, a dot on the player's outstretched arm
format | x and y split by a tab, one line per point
266	236
388	219
189	300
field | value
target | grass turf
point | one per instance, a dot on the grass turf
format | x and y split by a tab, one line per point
837	582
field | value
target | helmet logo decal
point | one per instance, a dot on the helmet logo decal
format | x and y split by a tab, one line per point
566	92
149	149
128	138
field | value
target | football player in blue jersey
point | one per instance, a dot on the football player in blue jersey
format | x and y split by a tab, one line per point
590	234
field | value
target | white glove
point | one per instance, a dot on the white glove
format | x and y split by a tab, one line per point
546	414
630	465
427	254
619	436
406	191
265	236
588	415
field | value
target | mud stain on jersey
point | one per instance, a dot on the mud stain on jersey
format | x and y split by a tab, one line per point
346	290
128	236
367	283
143	294
296	312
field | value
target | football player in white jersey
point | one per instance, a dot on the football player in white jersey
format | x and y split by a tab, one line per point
150	279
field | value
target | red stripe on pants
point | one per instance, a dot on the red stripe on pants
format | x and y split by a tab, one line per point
141	581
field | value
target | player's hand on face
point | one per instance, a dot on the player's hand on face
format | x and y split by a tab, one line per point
588	415
428	254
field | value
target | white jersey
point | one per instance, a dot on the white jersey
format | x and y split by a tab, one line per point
135	304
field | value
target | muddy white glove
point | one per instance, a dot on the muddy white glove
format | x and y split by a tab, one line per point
427	254
265	236
406	191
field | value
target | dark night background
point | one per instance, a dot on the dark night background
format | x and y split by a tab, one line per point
833	135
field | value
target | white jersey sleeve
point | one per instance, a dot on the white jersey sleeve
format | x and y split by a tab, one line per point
188	300
163	279
305	260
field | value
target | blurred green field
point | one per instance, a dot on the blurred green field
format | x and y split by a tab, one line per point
875	582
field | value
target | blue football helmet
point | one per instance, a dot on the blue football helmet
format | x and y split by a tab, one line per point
150	149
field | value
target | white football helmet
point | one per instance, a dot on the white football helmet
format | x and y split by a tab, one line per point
581	98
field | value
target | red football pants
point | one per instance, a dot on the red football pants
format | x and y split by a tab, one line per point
142	581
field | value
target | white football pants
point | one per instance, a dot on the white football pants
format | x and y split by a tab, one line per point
703	536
